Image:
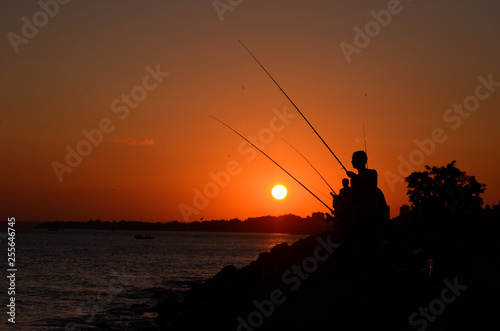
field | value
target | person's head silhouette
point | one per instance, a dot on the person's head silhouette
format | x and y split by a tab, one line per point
359	160
345	182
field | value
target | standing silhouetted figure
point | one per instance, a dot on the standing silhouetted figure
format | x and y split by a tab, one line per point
363	184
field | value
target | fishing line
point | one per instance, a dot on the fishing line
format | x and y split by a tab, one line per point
311	166
276	163
293	104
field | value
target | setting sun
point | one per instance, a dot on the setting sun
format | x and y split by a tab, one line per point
279	192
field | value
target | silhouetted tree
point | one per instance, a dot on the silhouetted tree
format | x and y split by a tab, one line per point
446	189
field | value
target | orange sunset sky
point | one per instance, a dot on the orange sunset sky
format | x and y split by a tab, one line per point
106	105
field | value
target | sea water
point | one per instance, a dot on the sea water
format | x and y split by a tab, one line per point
90	279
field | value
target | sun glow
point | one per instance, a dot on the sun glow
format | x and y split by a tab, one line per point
279	192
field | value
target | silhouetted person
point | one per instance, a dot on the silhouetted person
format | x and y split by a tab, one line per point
342	211
342	201
363	184
368	211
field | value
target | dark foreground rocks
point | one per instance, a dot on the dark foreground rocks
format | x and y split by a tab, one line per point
318	284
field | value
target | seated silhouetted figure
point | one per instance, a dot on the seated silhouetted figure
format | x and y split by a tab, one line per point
342	201
342	211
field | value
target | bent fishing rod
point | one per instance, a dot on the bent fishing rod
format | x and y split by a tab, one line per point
289	174
293	104
311	166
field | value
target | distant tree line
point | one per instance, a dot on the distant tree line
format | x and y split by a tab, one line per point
267	224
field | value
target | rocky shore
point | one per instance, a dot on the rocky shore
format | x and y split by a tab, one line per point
323	281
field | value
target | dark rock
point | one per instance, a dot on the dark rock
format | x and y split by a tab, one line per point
168	305
345	291
227	275
279	250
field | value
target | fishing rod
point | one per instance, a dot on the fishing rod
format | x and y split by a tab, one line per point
289	174
293	104
311	166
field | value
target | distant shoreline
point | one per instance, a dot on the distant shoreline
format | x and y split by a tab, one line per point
291	224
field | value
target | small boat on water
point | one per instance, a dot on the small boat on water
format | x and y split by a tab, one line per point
140	236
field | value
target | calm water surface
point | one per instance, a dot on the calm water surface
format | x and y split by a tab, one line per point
70	279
